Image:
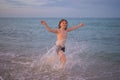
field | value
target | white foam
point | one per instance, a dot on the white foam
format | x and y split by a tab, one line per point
52	59
23	63
1	78
49	63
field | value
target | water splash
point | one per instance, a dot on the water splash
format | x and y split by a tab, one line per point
50	59
1	78
48	64
81	65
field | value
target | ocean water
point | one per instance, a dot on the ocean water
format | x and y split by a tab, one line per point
27	50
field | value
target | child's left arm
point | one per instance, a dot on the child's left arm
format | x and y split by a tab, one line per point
75	27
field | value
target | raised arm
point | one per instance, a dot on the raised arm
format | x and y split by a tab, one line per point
75	27
48	28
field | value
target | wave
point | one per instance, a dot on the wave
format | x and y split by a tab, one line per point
81	64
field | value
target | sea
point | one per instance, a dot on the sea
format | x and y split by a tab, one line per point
27	50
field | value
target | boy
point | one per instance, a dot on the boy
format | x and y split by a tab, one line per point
61	34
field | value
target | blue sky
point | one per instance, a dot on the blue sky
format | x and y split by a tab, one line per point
60	8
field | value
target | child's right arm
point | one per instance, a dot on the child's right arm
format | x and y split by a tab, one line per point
75	27
48	28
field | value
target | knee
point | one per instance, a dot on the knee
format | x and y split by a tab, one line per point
61	53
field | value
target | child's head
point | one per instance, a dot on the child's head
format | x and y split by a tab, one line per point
63	23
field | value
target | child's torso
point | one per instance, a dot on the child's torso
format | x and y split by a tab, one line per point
61	35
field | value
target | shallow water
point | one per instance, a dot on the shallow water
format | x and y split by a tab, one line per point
27	50
80	66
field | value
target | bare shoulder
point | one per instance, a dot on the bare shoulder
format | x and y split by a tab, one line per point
57	30
68	30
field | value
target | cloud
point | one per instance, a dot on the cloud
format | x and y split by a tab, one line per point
32	2
51	8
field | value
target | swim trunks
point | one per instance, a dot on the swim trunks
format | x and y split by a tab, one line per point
60	48
63	49
60	45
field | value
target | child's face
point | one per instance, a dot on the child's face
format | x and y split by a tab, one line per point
63	24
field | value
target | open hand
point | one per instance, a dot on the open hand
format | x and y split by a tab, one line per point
81	24
43	23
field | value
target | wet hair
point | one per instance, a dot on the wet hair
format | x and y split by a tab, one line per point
61	22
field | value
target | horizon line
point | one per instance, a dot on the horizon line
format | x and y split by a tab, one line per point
55	17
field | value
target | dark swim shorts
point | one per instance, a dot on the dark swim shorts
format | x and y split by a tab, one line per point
60	48
63	49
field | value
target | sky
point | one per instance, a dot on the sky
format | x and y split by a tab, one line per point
60	8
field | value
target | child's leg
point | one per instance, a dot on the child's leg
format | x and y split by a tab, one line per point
62	57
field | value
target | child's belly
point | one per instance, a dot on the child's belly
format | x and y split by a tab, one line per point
61	43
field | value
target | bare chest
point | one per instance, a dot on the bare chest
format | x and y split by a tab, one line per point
62	34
